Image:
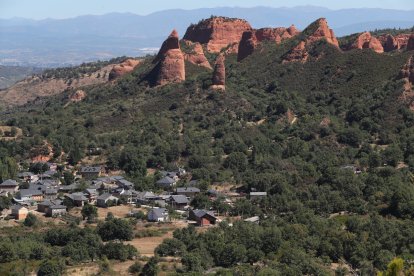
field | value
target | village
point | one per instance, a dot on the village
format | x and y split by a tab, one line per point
47	194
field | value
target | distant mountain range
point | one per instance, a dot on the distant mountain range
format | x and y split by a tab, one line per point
52	42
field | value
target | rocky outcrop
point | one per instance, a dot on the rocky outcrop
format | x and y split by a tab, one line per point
195	54
172	42
219	74
297	54
320	30
410	44
247	45
407	72
171	66
251	39
121	69
78	96
366	41
217	32
389	42
403	40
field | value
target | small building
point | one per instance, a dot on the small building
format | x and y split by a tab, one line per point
166	182
255	219
256	195
31	195
187	191
50	193
27	176
146	197
42	206
10	186
158	215
78	199
106	200
125	184
19	212
202	217
91	194
56	210
179	202
91	172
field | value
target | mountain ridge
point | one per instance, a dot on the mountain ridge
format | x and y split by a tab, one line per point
98	36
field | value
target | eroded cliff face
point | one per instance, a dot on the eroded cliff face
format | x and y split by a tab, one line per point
170	61
251	39
407	75
366	41
217	32
320	30
195	54
123	68
298	53
219	74
410	43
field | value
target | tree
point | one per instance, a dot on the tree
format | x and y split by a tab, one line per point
30	220
89	211
236	161
68	178
170	247
151	267
192	262
51	268
395	267
115	229
135	268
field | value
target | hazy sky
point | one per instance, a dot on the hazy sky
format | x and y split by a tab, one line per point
39	9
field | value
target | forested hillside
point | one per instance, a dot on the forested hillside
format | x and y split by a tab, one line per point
330	140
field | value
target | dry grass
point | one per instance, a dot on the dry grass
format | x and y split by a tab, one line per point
118	211
8	129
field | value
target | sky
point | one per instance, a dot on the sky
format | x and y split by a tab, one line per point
41	9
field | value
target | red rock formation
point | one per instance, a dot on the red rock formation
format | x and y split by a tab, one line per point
366	41
171	65
320	30
251	39
407	72
217	32
78	96
196	55
297	54
172	42
389	43
219	75
402	40
410	44
292	30
247	45
121	69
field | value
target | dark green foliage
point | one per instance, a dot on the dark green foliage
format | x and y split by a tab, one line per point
31	220
89	212
115	229
348	116
51	268
150	268
118	251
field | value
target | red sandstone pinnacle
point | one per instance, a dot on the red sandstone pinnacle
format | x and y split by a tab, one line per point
172	42
171	65
219	74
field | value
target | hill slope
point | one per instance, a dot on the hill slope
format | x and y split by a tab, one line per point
329	138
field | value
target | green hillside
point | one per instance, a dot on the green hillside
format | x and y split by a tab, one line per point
347	115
